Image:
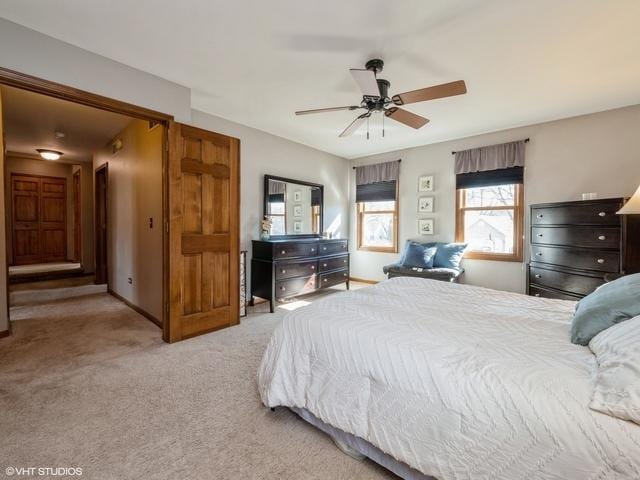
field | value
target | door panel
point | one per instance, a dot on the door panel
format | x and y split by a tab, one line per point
101	205
204	212
39	228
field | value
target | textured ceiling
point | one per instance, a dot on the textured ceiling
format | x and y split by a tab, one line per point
256	62
31	120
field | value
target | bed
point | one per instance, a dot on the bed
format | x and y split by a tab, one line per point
450	381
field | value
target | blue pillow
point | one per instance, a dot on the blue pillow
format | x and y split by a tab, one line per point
418	255
612	303
449	255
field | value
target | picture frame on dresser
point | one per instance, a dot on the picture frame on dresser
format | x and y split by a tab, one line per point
577	246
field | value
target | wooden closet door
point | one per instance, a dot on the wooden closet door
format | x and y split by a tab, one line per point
25	219
204	214
53	219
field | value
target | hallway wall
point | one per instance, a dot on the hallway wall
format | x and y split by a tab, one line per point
134	250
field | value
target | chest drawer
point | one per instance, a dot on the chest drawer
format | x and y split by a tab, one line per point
295	249
336	246
333	263
577	258
333	278
568	282
290	269
602	213
548	293
295	286
577	236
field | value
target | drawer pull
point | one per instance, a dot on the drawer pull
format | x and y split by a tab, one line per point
344	261
324	248
537	295
313	249
602	214
325	280
283	252
283	288
283	271
344	274
313	267
324	264
539	254
602	237
540	235
538	275
601	261
344	246
539	215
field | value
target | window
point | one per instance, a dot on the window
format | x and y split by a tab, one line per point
490	219
378	226
278	217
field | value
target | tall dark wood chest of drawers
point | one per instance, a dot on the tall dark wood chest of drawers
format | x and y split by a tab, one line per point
577	246
286	268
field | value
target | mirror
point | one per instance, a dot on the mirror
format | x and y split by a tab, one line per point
294	206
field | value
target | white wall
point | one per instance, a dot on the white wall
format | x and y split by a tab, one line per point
591	153
4	312
34	53
262	153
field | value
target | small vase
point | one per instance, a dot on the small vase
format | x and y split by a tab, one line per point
264	235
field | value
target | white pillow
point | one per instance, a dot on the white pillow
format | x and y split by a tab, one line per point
616	391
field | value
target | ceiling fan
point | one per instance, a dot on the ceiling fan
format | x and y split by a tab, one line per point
375	98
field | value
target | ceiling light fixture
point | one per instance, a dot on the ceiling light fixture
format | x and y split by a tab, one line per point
49	154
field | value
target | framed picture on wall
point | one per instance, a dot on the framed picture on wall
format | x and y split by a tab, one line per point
425	183
297	210
297	196
425	226
297	227
425	204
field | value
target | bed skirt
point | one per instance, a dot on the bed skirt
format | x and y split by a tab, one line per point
363	447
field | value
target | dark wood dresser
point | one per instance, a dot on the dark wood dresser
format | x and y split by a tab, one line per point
577	246
286	268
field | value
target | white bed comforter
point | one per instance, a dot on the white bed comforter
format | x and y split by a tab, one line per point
458	382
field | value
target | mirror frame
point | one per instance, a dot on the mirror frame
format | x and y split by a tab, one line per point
265	208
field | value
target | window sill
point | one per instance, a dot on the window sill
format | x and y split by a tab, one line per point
495	257
379	249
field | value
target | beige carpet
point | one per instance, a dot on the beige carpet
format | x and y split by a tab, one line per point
87	382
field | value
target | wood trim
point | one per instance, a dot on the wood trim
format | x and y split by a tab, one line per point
77	215
136	308
97	228
518	253
363	280
63	92
360	214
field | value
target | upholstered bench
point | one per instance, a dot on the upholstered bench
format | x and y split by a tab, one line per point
433	260
443	274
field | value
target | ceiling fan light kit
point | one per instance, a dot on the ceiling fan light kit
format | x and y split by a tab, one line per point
375	99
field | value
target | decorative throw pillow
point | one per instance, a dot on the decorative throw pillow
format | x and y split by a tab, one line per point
449	255
610	304
616	389
418	255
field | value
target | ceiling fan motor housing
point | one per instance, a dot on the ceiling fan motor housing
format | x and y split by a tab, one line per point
375	65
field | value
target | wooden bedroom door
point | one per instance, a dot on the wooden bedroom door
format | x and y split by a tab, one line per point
38	219
204	233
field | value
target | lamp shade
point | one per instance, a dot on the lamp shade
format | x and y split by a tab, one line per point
632	207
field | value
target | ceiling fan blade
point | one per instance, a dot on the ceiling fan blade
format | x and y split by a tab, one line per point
330	109
404	116
353	126
366	80
431	93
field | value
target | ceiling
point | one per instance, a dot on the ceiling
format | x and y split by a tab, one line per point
31	120
256	62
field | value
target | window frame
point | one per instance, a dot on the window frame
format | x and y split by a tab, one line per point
360	214
518	226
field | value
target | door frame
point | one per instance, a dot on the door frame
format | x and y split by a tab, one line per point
24	81
101	170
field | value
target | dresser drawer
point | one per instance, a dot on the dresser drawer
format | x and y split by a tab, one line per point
577	258
336	246
568	282
299	268
295	249
333	278
295	286
333	263
577	236
602	213
548	293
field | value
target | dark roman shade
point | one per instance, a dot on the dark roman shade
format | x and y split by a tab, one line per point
276	191
490	166
377	183
315	197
